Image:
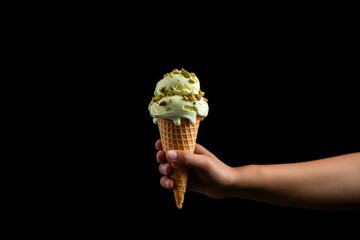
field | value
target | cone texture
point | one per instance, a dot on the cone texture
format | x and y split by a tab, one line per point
183	138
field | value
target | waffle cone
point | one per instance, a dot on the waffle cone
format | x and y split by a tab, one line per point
182	138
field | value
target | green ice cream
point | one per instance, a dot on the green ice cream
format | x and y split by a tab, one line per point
177	95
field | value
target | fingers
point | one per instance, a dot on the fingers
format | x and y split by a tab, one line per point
158	145
161	156
166	182
165	168
199	159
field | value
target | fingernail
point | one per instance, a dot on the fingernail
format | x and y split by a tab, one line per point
171	155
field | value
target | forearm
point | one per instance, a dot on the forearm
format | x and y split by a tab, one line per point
331	183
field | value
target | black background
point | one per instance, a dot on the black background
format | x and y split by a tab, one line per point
277	94
261	111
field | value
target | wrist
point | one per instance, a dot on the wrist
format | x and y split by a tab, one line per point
242	181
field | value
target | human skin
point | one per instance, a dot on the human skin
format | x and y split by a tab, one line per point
331	183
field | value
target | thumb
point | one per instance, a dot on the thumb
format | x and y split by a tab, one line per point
184	158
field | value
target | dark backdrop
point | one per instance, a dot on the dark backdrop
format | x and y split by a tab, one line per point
272	99
273	110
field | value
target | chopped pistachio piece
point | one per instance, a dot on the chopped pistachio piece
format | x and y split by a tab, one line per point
185	73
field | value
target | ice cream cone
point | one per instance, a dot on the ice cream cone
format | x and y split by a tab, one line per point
177	107
183	138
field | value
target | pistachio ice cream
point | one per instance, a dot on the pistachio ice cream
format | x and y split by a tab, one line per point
178	95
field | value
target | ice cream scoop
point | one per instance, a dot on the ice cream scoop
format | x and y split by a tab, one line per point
177	95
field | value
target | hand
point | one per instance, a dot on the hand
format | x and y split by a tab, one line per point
207	174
